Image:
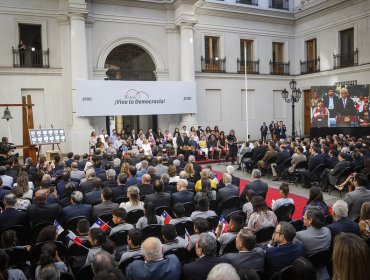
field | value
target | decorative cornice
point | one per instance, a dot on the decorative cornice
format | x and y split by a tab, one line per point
12	71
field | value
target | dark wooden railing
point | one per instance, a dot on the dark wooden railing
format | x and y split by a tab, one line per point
310	66
346	59
253	67
30	58
279	4
214	65
279	68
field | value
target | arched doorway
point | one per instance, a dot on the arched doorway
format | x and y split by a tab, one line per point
130	62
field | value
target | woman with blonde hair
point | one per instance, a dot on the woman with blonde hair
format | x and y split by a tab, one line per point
125	168
133	194
364	221
351	257
189	169
172	173
22	181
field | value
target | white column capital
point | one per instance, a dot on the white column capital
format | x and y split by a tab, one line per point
186	24
171	28
74	16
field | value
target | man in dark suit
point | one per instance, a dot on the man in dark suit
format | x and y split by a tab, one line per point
313	161
332	160
359	196
11	216
106	206
182	195
259	187
228	191
111	182
158	198
279	164
82	163
94	197
234	180
249	257
156	266
342	222
205	248
87	186
284	252
330	175
99	171
330	101
132	179
121	189
182	141
41	211
144	186
76	208
345	105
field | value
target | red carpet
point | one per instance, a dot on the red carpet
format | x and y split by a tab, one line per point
299	201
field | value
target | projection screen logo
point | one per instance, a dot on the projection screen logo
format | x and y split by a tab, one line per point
133	96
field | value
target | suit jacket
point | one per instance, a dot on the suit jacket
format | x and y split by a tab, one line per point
313	161
81	165
281	158
182	197
227	192
348	110
332	112
339	167
343	225
111	183
75	210
355	199
10	217
254	259
234	181
132	181
145	189
159	199
269	154
42	212
331	162
282	256
120	191
169	268
93	197
103	208
199	269
314	240
258	151
259	187
86	186
160	169
181	142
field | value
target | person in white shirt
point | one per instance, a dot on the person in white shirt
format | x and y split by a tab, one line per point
103	135
140	141
284	192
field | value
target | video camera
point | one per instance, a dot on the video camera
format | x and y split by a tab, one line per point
6	147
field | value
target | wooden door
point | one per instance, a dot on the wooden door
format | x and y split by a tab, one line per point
307	112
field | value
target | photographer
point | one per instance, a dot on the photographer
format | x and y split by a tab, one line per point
6	150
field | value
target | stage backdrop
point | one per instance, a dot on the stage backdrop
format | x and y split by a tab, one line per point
109	98
334	111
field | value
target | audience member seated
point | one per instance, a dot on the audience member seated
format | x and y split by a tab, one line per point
99	242
76	208
160	168
234	180
132	179
190	171
342	222
106	206
7	181
284	192
248	207
223	271
145	186
156	266
205	192
228	191
149	218
350	258
316	199
134	202
66	199
259	187
49	255
134	240
82	231
261	216
94	197
359	196
167	187
111	182
205	248
11	216
75	172
41	211
158	198
281	251
178	211
329	176
182	195
23	182
142	169
118	218
297	157
171	239
48	233
201	225
316	237
9	273
205	174
364	220
314	160
235	225
202	210
278	166
271	152
3	191
22	203
61	184
249	256
103	261
87	186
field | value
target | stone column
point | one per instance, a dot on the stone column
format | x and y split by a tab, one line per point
81	128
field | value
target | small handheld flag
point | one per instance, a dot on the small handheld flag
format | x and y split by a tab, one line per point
225	225
167	218
58	227
100	224
74	238
187	238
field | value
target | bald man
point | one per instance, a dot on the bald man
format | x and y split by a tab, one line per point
144	186
41	211
155	266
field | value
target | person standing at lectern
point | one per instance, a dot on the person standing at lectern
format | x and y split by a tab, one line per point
263	130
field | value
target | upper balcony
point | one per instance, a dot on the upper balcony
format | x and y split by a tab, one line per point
213	65
30	58
346	59
280	68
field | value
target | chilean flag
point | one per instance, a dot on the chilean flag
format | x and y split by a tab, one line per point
101	224
58	227
187	238
225	225
167	218
74	238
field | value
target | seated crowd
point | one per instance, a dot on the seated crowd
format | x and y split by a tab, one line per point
158	216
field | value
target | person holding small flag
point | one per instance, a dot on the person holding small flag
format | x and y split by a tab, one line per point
201	225
118	218
166	217
226	232
171	239
149	218
99	242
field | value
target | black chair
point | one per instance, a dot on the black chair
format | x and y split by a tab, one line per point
229	204
71	224
66	276
320	259
285	212
17	256
189	208
237	212
85	273
283	274
159	210
301	166
264	234
267	170
181	226
297	224
315	174
134	215
121	199
181	253
119	238
38	227
126	262
342	176
22	232
152	230
230	247
213	205
61	249
213	222
78	255
287	163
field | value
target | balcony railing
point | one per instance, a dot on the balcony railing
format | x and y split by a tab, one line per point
248	2
279	4
310	66
346	59
279	68
215	65
253	67
130	75
30	58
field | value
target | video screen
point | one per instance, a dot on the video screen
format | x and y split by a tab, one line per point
340	106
